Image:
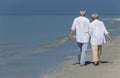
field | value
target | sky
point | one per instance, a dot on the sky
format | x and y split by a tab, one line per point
58	7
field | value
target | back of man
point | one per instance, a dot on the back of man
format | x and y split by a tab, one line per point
81	25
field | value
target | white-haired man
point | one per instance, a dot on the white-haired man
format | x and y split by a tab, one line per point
81	25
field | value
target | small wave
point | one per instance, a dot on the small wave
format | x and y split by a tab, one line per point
49	46
116	19
112	19
36	49
54	44
113	29
71	57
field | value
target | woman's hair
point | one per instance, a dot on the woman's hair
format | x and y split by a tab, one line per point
94	16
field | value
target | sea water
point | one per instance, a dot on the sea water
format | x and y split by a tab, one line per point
32	46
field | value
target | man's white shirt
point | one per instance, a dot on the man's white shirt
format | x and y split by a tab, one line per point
81	25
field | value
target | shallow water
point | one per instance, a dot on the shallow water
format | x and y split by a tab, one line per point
31	46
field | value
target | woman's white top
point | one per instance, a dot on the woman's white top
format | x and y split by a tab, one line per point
97	31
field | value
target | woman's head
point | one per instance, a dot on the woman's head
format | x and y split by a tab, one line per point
94	16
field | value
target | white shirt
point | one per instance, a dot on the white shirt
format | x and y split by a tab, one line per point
81	25
97	31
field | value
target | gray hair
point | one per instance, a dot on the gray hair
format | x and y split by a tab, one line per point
82	12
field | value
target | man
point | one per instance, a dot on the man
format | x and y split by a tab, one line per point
81	25
97	32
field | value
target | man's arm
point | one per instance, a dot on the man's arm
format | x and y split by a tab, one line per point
70	34
72	29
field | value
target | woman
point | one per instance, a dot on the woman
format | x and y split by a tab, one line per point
97	32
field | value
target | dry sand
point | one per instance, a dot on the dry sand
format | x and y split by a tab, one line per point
109	68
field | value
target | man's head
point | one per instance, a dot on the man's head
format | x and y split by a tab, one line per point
94	16
82	13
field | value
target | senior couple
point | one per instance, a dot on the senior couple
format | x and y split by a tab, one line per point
85	31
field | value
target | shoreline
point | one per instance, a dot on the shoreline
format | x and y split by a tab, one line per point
107	69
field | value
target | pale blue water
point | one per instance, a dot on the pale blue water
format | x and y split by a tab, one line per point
31	46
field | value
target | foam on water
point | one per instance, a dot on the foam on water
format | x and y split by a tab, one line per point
48	46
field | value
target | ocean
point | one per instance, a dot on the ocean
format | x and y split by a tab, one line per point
32	46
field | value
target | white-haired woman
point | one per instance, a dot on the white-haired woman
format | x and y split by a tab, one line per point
97	33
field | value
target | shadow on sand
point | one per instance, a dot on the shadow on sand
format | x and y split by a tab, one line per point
90	62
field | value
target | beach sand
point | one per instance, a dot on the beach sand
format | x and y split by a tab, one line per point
109	68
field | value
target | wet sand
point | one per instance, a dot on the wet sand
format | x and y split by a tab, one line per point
109	68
